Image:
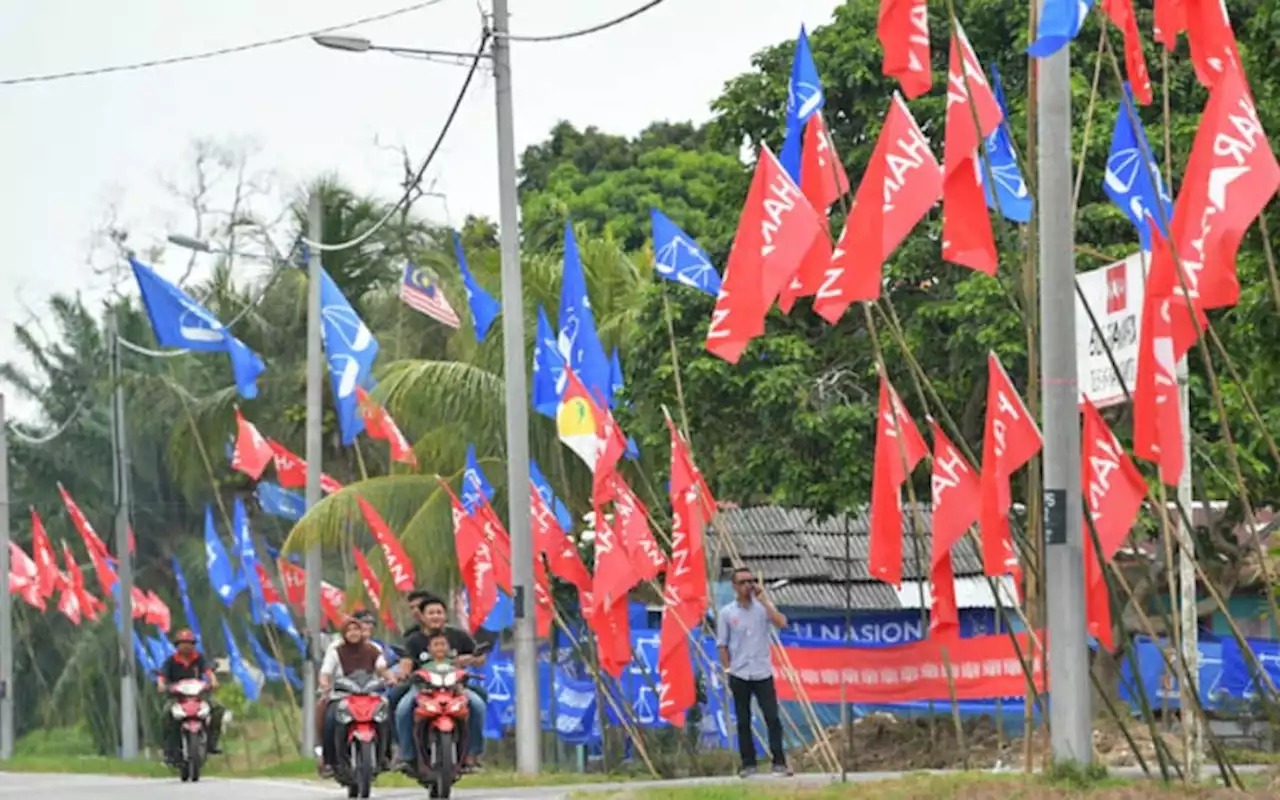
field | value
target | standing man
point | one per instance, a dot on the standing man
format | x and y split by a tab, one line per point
743	634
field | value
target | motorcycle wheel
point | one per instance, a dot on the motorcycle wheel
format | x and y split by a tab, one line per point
366	757
192	755
445	766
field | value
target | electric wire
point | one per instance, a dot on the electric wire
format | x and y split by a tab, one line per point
603	26
58	431
413	185
162	62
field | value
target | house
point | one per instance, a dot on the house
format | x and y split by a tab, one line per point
815	570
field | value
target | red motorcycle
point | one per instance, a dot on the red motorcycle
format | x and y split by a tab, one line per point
440	721
361	713
190	707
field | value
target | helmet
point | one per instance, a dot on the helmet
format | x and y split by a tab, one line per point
184	636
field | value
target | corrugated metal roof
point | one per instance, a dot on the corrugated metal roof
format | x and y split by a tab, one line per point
808	555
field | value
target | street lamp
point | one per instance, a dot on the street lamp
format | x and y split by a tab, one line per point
528	726
189	243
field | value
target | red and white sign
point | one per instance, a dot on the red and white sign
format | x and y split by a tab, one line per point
1114	294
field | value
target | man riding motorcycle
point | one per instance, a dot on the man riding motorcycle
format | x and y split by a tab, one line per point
188	664
351	654
431	614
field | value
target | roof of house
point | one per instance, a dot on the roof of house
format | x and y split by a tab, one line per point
802	558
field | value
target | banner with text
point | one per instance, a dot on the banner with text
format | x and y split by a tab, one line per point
1114	294
981	667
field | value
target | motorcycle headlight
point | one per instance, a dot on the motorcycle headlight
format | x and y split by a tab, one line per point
343	714
204	711
437	679
176	711
380	714
451	679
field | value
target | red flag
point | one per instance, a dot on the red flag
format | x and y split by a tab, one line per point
499	541
956	493
1010	439
24	579
291	471
1135	61
615	575
898	449
1157	419
967	238
1170	19
685	591
823	181
252	454
1114	491
631	522
902	182
269	593
612	627
140	603
372	587
775	231
475	561
398	562
157	612
379	425
550	540
685	477
45	558
612	447
944	611
84	602
98	552
294	579
677	689
903	30
543	604
333	603
1231	175
1212	42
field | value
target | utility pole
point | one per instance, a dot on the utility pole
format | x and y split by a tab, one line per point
6	600
1070	717
1189	620
528	722
124	559
315	408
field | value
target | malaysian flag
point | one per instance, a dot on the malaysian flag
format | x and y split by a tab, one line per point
419	291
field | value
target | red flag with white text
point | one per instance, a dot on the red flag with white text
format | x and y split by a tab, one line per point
398	562
24	579
372	587
903	30
1157	418
379	425
630	519
291	471
899	449
1010	440
677	688
251	453
48	576
475	561
823	181
98	552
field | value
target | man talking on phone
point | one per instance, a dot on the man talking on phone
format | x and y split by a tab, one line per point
743	634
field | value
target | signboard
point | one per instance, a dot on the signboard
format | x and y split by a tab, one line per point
1114	294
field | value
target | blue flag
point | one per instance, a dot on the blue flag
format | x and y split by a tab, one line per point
1060	23
616	380
484	309
158	652
474	483
187	608
142	655
251	686
549	497
272	670
283	622
179	321
578	341
350	350
1131	168
804	99
248	561
548	368
677	257
1011	189
280	502
222	576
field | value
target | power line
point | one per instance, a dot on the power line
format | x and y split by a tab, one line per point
163	62
560	37
413	185
58	431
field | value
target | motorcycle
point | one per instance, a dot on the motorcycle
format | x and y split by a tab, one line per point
440	721
190	707
361	712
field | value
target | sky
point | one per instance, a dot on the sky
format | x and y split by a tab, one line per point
75	153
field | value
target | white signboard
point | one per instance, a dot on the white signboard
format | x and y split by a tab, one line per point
1114	294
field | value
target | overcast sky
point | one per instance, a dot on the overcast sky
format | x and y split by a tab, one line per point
71	150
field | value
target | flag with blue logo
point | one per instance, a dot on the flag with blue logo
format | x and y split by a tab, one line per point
548	368
484	309
252	686
549	497
1133	179
248	555
279	615
1010	188
350	349
474	483
222	575
272	670
578	341
280	502
179	321
677	257
804	99
1060	23
192	622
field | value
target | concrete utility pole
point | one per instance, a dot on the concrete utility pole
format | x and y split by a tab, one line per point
124	558
6	601
1194	761
1070	717
528	718
315	410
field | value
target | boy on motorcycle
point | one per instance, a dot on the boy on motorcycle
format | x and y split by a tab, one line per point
188	664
